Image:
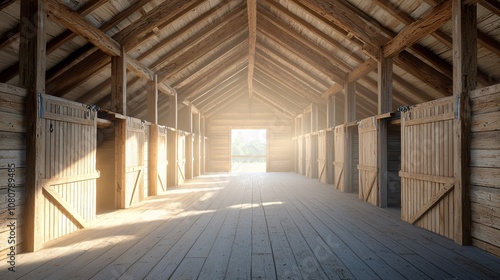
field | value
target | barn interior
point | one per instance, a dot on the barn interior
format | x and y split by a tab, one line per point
377	145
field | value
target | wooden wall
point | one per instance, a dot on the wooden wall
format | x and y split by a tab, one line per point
485	169
105	163
249	114
393	165
12	164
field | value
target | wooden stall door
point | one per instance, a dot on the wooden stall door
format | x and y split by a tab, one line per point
69	137
368	160
135	168
181	158
162	160
339	157
427	172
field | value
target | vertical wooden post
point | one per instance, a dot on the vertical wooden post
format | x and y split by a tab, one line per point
119	105
349	116
119	83
173	165
330	111
120	162
385	66
464	22
152	117
32	63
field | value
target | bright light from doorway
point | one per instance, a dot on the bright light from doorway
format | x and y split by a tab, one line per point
248	150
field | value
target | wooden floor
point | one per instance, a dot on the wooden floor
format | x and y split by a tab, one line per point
242	226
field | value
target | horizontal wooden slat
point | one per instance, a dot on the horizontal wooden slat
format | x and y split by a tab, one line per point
485	176
431	119
12	122
12	141
10	89
485	91
368	168
67	119
486	215
485	158
487	140
17	157
70	179
429	178
486	122
486	104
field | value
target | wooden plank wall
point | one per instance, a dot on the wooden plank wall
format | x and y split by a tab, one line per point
485	169
136	161
69	137
427	172
393	165
368	160
12	164
249	113
354	158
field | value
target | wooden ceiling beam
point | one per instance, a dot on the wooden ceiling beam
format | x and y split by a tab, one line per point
362	70
230	101
282	60
314	30
226	85
492	5
221	97
76	23
311	85
416	31
342	15
252	41
272	86
96	61
214	59
232	65
202	45
190	26
275	104
295	43
288	82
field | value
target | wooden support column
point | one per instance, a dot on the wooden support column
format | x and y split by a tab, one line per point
119	105
464	22
32	64
119	83
173	166
349	116
385	69
330	111
120	162
152	116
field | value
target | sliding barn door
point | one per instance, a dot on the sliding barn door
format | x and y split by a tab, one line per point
368	160
68	137
427	173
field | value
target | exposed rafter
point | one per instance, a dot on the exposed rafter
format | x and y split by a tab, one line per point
252	41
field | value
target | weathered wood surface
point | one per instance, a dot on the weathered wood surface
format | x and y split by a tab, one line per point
427	174
325	156
136	161
485	169
12	163
274	225
311	145
368	160
69	135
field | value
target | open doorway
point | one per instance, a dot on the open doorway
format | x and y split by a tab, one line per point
248	150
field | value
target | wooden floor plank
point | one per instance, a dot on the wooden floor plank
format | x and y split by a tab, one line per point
261	225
